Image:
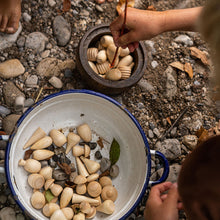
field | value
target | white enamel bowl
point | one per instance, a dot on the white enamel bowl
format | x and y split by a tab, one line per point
109	120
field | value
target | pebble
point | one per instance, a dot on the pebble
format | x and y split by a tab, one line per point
26	17
44	163
156	132
68	73
19	103
145	85
150	133
21	41
20	217
154	64
173	132
55	82
51	3
7	40
7	213
31	81
62	30
190	141
184	39
105	164
3	145
45	54
28	102
11	68
171	84
73	176
170	148
2	154
10	92
99	8
11	199
59	175
4	111
3	199
9	122
36	41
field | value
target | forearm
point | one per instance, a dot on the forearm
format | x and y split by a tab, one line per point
181	19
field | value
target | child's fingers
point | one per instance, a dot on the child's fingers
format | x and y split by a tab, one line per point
172	196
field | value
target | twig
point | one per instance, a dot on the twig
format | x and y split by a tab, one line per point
38	96
176	121
122	32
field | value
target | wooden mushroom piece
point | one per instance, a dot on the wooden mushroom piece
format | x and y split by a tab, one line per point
105	180
37	135
38	200
89	210
46	172
94	189
42	143
81	189
66	196
58	215
50	208
79	198
36	181
81	168
78	151
92	177
54	188
107	207
72	140
30	165
85	132
91	165
106	40
68	212
79	216
59	139
109	193
101	56
42	154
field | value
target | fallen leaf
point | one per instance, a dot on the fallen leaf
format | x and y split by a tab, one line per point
66	5
168	120
121	5
100	142
202	134
188	69
200	55
178	65
151	8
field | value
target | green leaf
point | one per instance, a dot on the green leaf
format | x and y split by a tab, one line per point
48	195
114	152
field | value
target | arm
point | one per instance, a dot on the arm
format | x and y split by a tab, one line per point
144	24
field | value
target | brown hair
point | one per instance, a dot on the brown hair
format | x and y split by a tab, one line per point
199	181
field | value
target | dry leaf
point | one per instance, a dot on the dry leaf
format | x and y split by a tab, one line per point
202	134
200	55
151	8
188	69
168	120
66	5
100	142
178	65
121	5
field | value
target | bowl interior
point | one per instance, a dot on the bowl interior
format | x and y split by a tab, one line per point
107	120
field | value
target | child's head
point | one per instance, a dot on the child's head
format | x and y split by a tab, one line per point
199	181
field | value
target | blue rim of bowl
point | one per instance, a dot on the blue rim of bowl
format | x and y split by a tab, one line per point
90	92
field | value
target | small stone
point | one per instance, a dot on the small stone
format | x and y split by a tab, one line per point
45	54
72	167
20	217
150	133
154	64
99	8
44	163
151	125
36	41
156	132
68	73
184	39
11	68
62	30
171	84
9	123
3	145
31	81
4	111
59	175
105	164
61	183
21	41
19	103
173	132
51	3
7	213
190	141
3	199
26	17
73	176
28	102
11	199
55	82
2	154
98	155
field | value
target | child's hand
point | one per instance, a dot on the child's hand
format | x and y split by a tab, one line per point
162	207
140	24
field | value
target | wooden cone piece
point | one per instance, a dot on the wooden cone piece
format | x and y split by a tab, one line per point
37	135
107	207
91	165
42	154
72	140
79	198
66	196
81	168
42	143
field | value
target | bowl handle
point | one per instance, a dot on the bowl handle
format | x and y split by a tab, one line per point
4	138
155	153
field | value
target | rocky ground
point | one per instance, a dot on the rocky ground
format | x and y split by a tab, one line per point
43	53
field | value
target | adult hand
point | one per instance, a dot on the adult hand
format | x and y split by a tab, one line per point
140	25
162	206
